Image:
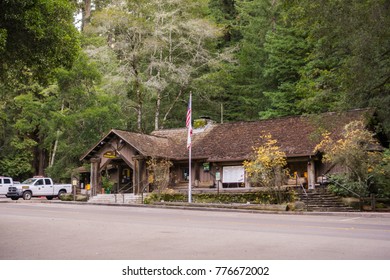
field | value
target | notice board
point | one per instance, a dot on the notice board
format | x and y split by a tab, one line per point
233	174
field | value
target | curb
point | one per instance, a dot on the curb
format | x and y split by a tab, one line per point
216	208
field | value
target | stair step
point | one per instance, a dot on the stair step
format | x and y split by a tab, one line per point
116	199
323	201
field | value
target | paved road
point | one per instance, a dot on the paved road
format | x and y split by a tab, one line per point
62	231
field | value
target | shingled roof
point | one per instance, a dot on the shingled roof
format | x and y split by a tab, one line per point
147	145
297	136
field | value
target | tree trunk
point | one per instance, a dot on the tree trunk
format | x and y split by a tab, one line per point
53	155
40	161
172	105
157	113
139	111
86	13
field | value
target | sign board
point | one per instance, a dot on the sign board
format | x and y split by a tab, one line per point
233	174
218	176
109	154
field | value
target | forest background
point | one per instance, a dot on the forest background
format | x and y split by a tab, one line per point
132	64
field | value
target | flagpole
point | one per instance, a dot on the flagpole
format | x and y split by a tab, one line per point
189	177
189	146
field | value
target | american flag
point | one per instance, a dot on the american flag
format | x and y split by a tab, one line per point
189	122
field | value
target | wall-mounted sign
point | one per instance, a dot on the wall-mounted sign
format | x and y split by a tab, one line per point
109	154
233	174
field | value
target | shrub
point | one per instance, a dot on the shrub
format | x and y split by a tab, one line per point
339	180
357	152
69	197
66	197
262	197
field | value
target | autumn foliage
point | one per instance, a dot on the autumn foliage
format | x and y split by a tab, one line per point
357	151
266	168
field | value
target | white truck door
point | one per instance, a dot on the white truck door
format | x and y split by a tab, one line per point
49	186
39	188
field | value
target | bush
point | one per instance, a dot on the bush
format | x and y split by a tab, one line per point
66	197
263	197
69	197
165	196
342	180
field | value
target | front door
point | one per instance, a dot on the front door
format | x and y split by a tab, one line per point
125	179
40	188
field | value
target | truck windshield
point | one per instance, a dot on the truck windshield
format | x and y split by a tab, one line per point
29	181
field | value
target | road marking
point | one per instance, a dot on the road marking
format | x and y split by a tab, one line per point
349	219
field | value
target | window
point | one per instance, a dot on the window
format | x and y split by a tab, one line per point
7	181
47	182
39	182
185	173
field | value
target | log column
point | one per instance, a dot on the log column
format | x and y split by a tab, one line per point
311	174
139	173
96	186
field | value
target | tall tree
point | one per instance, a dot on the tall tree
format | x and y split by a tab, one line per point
37	36
158	43
286	49
348	66
255	19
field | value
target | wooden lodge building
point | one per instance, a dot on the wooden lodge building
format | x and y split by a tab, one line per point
218	152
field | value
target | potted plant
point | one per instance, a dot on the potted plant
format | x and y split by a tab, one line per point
106	185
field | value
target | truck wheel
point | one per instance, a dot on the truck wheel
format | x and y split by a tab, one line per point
27	195
14	198
61	192
49	197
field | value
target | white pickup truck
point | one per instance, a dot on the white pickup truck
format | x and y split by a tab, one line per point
38	186
5	183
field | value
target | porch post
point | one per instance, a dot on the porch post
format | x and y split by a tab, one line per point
136	175
139	163
311	174
95	176
119	177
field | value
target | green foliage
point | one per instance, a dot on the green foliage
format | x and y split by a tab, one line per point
107	184
16	161
161	47
266	168
287	49
341	185
263	197
198	123
38	35
355	151
70	197
366	170
349	64
165	196
381	176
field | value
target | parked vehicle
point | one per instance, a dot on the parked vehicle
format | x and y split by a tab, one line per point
38	186
5	183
